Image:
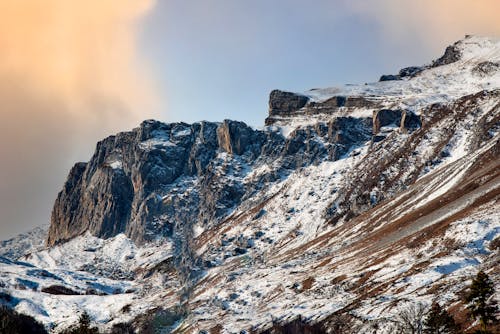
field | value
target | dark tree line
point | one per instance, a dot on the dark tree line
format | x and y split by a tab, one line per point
12	322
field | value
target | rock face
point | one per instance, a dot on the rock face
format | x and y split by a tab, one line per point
149	181
451	55
280	109
281	102
405	120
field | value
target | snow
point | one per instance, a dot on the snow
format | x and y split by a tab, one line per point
116	164
440	84
295	262
106	266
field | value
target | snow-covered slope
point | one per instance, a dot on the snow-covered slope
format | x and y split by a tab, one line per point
356	201
24	243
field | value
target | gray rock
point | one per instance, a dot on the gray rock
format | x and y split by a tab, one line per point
486	68
410	121
451	55
281	102
389	77
386	117
411	71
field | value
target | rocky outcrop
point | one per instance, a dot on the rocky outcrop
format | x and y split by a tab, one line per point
404	120
410	121
385	117
486	68
157	179
283	110
389	77
281	102
238	138
407	72
451	55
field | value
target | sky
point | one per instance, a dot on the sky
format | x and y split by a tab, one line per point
74	72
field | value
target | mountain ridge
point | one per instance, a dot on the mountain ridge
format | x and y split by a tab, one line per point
352	201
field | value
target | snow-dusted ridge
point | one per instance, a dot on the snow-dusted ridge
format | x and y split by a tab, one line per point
432	85
477	69
354	218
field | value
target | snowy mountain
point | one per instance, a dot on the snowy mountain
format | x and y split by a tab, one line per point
352	203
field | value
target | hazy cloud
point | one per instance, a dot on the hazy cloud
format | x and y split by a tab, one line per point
70	74
430	22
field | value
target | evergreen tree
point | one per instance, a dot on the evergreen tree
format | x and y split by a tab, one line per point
83	326
478	299
439	321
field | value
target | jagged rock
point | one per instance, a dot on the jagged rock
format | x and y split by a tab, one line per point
405	120
410	121
389	77
410	71
238	138
451	55
281	102
138	182
407	72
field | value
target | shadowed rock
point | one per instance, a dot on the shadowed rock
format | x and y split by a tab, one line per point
451	55
157	178
281	102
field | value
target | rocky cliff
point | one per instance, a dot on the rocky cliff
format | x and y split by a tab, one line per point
144	182
141	182
352	201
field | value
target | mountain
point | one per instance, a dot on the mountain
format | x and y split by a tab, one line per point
351	205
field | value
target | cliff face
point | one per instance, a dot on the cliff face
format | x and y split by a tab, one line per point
145	181
149	181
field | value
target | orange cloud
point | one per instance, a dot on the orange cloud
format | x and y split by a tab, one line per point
70	74
75	50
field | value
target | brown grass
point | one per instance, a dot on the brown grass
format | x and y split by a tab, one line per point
307	283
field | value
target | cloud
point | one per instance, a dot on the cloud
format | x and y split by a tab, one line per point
70	74
431	21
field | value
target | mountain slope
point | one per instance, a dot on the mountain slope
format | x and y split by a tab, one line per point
356	201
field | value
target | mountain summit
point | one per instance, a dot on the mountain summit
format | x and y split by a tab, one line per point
352	204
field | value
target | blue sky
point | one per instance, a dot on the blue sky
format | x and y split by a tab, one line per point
223	58
220	59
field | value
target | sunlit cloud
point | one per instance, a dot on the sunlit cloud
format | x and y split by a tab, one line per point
70	74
